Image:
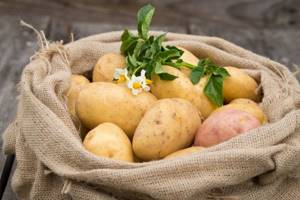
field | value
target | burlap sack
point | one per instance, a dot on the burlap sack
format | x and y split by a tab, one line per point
52	164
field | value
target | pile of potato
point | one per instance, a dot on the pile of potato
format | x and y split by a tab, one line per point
165	122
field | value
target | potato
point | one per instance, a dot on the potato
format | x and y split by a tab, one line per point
188	57
110	141
223	125
201	101
168	126
239	85
183	88
100	102
247	105
77	82
105	67
180	87
184	152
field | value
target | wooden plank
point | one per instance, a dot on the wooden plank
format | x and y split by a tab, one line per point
280	45
280	14
269	27
8	193
17	44
82	29
253	12
243	36
283	45
178	12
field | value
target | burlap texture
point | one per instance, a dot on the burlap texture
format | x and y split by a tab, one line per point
262	164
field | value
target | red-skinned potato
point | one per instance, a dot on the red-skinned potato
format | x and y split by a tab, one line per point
222	126
248	106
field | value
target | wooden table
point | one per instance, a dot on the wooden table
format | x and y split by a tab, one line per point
269	27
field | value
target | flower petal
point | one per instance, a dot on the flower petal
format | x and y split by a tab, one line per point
143	73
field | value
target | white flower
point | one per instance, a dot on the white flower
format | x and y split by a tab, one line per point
137	84
145	81
121	75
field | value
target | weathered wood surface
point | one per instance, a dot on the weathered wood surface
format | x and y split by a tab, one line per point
269	27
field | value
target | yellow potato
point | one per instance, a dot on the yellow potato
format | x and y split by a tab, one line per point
188	57
106	65
246	105
201	101
110	141
180	87
184	152
77	82
169	125
239	85
183	88
100	102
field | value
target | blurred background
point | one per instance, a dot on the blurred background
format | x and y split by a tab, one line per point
269	27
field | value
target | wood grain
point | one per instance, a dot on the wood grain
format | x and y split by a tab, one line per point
17	45
270	28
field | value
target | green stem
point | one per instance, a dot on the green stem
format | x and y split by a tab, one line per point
180	64
187	65
138	68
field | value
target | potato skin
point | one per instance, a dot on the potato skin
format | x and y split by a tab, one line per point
188	57
183	88
109	140
106	65
239	85
77	82
168	126
201	101
248	106
100	102
223	125
184	152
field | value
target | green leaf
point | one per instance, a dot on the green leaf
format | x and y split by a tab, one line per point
149	69
214	89
144	20
196	74
148	51
156	46
168	55
138	48
125	35
158	68
132	60
222	72
174	48
132	63
157	43
167	77
128	42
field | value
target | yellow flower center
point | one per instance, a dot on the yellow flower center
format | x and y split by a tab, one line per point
121	79
136	85
148	81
